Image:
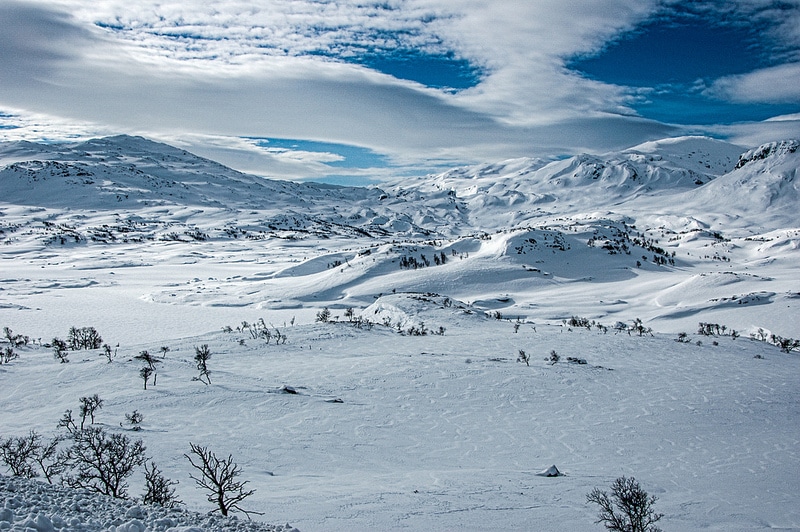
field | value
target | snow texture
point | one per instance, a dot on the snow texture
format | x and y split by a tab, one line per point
31	505
412	408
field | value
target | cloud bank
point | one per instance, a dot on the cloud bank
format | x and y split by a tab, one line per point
208	73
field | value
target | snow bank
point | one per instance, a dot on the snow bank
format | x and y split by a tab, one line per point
31	505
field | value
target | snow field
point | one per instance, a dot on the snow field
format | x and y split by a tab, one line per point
446	432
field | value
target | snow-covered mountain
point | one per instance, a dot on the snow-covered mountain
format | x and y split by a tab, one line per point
624	226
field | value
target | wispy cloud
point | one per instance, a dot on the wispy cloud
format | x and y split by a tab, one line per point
304	69
776	84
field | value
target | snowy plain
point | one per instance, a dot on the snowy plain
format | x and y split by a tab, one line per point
155	247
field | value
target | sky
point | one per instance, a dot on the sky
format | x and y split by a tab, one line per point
358	91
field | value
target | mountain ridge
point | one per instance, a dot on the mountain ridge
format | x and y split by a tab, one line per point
626	227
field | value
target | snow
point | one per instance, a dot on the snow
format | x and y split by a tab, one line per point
32	505
389	428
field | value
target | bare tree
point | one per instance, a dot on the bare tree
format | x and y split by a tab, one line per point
160	490
628	509
201	356
17	453
145	373
324	315
134	419
21	453
102	462
218	477
83	338
67	422
90	405
60	350
7	355
108	353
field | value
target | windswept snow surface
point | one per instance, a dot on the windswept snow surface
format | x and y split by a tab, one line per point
32	505
389	431
155	247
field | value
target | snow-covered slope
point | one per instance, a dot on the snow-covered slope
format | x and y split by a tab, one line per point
605	235
392	429
412	409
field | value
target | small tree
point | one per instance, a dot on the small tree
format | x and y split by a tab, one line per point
16	340
164	350
218	477
60	350
628	509
134	419
17	453
108	353
148	359
524	357
20	454
201	356
90	405
67	422
160	490
639	328
145	373
554	357
83	338
7	355
102	462
46	456
324	315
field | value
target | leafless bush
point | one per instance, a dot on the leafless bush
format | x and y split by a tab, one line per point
159	490
102	462
20	454
201	356
83	338
90	405
218	478
16	340
134	419
628	509
60	350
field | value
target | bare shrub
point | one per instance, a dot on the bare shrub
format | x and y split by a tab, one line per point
90	405
101	462
134	419
201	356
159	490
628	509
83	338
324	315
218	478
60	350
145	373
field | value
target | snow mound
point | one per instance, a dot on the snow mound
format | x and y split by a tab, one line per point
408	311
32	505
551	471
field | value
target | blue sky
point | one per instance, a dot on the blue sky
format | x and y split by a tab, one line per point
357	91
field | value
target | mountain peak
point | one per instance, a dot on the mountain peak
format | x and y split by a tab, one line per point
771	149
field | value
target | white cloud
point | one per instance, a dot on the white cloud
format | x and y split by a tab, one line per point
778	84
211	71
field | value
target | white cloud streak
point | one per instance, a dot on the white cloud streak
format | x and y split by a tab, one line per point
201	69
